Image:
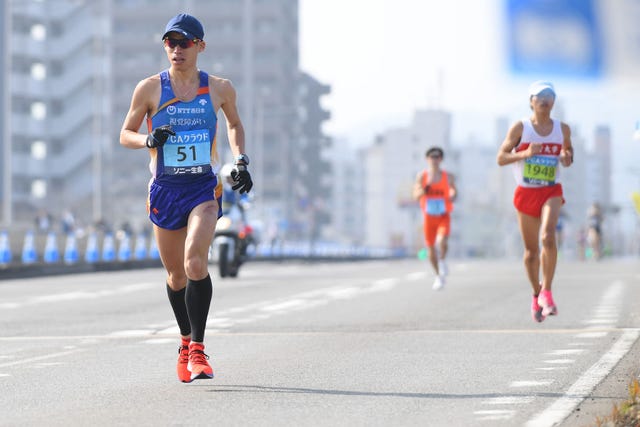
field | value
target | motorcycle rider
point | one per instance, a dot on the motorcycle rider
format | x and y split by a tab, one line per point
233	198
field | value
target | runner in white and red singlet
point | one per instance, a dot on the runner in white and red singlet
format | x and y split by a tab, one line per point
537	147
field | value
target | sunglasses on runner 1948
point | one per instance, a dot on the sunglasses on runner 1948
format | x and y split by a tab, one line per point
183	43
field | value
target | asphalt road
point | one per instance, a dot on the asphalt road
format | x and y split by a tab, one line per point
340	344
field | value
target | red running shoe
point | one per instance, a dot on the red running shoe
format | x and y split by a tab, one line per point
198	365
183	360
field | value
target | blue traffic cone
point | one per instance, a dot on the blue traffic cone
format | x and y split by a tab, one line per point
91	254
124	251
154	253
29	255
71	250
5	248
140	251
108	248
51	249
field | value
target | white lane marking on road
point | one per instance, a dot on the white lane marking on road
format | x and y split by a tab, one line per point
580	390
38	358
592	334
565	352
79	295
606	313
600	321
160	340
417	275
381	285
42	365
494	414
291	304
560	361
303	301
508	400
344	293
527	383
552	368
9	305
132	333
5	375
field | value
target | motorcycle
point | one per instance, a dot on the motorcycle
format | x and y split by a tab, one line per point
234	238
232	242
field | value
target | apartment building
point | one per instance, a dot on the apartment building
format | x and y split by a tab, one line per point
73	66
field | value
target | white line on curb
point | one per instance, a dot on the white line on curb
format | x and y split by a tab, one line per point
562	408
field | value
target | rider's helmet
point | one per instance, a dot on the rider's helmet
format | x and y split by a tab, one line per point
225	173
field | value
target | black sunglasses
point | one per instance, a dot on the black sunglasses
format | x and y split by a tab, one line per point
183	43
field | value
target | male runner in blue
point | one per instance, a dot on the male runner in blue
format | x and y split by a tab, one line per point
180	105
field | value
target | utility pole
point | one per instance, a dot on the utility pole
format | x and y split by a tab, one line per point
7	171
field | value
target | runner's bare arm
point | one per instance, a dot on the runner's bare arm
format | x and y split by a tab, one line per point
566	154
141	102
235	130
505	152
418	191
453	190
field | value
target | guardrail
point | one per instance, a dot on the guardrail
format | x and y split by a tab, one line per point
55	253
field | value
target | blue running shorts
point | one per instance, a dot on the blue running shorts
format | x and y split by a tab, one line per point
169	207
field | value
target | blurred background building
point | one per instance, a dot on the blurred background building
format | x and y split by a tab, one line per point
71	67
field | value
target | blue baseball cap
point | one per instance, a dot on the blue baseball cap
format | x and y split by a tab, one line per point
186	25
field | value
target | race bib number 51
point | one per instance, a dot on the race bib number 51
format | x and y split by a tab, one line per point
540	170
188	152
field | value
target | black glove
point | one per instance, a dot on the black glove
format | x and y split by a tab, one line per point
159	136
242	179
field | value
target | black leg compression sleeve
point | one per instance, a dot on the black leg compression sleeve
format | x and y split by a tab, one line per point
198	295
178	303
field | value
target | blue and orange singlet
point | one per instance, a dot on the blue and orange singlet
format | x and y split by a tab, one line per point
191	155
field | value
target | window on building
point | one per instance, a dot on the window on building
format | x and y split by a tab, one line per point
38	71
38	32
38	150
38	110
264	26
39	188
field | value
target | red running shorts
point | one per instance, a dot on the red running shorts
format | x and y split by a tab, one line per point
529	200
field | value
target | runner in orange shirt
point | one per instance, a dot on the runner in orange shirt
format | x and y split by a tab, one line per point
436	190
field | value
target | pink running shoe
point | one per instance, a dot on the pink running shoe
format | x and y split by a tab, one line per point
198	365
546	302
536	310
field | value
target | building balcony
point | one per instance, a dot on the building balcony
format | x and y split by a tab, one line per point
43	11
56	127
75	156
24	85
60	47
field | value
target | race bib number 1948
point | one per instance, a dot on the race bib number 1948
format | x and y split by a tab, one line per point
540	170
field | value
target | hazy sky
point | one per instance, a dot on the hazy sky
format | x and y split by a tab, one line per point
386	58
